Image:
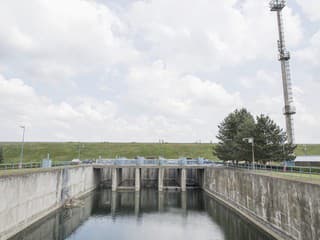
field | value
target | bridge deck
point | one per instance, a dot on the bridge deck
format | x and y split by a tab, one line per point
151	166
199	163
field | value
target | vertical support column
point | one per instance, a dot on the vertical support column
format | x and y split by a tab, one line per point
184	200
114	179
183	179
160	179
201	177
137	180
160	201
114	200
137	203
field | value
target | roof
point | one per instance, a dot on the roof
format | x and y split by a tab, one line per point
307	159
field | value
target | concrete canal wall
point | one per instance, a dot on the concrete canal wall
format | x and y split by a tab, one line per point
61	224
291	209
286	209
26	198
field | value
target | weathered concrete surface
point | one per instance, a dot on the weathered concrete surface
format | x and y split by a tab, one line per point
60	224
290	209
160	179
27	198
115	179
137	178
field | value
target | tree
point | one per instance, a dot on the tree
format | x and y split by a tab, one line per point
270	141
1	155
236	126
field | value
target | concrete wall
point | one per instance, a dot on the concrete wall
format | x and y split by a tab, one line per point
149	177
286	209
290	209
61	224
28	197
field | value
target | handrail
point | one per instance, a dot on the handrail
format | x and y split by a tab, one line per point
274	168
154	162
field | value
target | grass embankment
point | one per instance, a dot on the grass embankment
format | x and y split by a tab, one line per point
34	152
308	149
307	178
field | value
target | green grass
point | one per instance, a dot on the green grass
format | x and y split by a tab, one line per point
308	149
308	178
35	152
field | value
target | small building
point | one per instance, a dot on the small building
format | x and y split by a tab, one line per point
307	161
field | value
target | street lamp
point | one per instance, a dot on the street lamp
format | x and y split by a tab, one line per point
251	140
22	145
79	150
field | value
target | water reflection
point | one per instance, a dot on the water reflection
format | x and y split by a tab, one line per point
144	215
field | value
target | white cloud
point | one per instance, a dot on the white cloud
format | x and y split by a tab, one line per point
58	40
261	78
311	53
158	89
212	35
144	70
311	8
87	118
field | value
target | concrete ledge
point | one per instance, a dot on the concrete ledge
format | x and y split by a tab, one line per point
22	172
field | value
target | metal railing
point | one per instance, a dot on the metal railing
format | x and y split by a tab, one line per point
173	162
117	161
10	166
153	162
274	168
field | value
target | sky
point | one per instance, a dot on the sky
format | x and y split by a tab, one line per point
144	70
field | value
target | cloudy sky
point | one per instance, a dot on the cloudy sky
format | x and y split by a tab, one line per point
143	70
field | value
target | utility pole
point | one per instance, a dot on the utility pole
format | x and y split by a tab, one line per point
284	56
22	145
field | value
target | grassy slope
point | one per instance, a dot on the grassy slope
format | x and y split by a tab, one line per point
308	178
311	149
68	151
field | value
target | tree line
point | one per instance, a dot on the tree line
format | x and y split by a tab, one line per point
270	141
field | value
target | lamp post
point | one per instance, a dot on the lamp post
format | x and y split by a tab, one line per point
251	140
79	150
22	145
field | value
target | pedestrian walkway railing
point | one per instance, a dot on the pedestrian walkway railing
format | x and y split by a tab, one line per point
156	162
274	168
118	161
9	166
173	162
